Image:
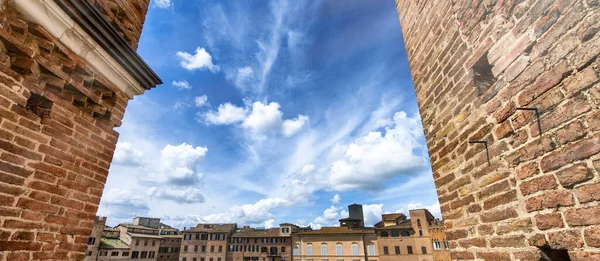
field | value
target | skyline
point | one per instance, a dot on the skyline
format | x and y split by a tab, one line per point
245	109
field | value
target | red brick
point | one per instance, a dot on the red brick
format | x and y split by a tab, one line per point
549	199
500	200
580	81
473	242
572	152
583	216
498	215
574	175
18	256
508	241
37	205
588	192
592	236
494	256
582	255
541	183
566	239
548	221
527	170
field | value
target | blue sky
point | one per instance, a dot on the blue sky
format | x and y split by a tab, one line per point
271	112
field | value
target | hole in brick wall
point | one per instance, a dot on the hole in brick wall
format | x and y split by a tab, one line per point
483	78
39	105
549	254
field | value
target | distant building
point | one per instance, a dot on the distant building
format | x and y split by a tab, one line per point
206	242
349	242
403	239
437	235
94	239
258	244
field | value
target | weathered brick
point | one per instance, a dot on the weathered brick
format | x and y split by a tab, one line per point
583	216
548	221
534	185
572	152
501	199
567	239
521	225
588	192
507	241
574	175
527	170
549	199
493	256
498	215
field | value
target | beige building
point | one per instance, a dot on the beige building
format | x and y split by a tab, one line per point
437	235
254	244
403	239
170	243
206	242
349	242
94	239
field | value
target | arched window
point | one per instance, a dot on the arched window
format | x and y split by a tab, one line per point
309	249
296	249
405	234
421	233
384	234
339	249
419	222
324	249
395	234
371	249
355	249
424	250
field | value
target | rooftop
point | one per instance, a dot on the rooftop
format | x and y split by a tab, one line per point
337	230
109	243
251	232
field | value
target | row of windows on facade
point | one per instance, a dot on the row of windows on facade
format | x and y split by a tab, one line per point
438	245
168	250
253	248
409	250
265	240
198	236
201	259
397	234
134	254
339	249
203	249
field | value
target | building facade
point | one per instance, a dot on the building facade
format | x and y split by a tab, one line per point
95	238
439	243
206	242
257	244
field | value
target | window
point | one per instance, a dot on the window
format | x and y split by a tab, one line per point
137	242
202	259
338	249
424	250
184	259
146	242
273	240
144	254
187	236
204	237
197	236
114	253
418	222
285	230
309	250
405	234
126	253
273	250
296	250
397	249
409	249
395	234
420	233
194	259
203	248
153	242
371	250
221	237
91	240
195	248
263	249
323	249
151	254
211	259
355	249
437	246
213	236
185	248
230	248
220	249
384	234
386	251
212	249
282	249
446	244
219	259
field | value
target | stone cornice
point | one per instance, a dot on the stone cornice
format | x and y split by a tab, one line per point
79	26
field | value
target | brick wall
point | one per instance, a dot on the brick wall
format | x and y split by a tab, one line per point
56	143
127	16
474	64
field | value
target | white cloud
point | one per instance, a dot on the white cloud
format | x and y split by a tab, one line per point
200	60
201	100
178	164
258	117
121	205
292	126
258	213
330	217
127	155
372	213
162	3
371	160
243	75
263	117
177	194
182	85
227	113
301	184
336	198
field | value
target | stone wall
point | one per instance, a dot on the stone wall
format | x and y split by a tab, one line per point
481	71
127	16
57	116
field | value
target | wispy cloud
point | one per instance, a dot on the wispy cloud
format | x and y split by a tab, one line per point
182	85
162	3
200	60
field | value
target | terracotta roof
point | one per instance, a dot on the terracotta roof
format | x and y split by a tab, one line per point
109	243
337	230
212	228
403	225
143	235
251	232
172	236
